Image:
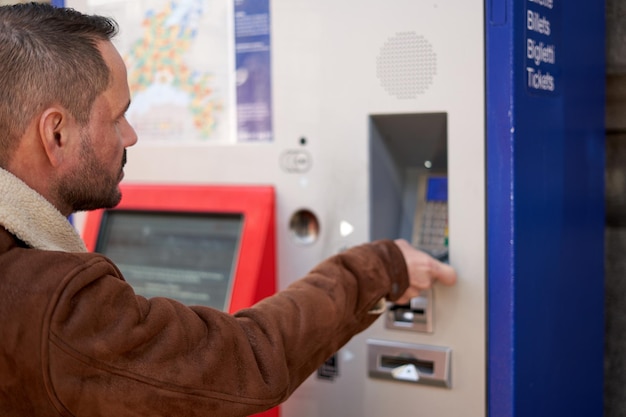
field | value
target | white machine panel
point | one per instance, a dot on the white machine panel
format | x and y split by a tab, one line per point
368	98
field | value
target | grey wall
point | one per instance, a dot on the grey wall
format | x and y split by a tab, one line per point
615	273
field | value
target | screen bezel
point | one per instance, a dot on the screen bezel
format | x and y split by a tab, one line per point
254	275
165	260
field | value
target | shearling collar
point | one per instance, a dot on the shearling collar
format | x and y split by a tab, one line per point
32	219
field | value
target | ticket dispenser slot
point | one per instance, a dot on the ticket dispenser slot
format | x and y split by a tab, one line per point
404	362
409	197
416	315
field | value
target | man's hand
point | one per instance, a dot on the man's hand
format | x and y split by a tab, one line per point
424	270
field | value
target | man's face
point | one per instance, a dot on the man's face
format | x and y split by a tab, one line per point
93	181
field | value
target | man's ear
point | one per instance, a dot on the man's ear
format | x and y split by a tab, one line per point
55	131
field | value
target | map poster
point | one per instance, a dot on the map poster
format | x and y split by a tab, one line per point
179	56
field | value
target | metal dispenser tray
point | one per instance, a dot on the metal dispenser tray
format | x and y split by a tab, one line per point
418	364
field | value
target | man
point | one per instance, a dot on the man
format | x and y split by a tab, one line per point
76	340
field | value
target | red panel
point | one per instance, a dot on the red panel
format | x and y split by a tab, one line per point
255	275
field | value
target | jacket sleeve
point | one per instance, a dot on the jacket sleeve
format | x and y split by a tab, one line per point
114	353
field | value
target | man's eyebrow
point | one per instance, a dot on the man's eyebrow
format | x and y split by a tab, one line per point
120	114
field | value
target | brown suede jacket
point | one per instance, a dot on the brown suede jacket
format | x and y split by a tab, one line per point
75	340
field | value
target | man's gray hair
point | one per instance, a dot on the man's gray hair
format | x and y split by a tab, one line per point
48	56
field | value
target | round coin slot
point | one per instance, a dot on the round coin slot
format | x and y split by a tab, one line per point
304	227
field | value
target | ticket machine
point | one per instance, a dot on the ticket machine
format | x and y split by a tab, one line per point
471	128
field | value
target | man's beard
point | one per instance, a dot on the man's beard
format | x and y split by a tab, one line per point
90	187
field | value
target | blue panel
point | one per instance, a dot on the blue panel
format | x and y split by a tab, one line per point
545	163
500	210
57	3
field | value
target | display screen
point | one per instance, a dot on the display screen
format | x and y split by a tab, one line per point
437	189
190	257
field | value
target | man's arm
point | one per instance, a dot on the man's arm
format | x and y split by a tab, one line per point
112	352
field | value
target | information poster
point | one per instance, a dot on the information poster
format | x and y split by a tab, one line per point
252	43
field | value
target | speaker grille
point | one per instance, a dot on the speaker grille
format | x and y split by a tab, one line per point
406	65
